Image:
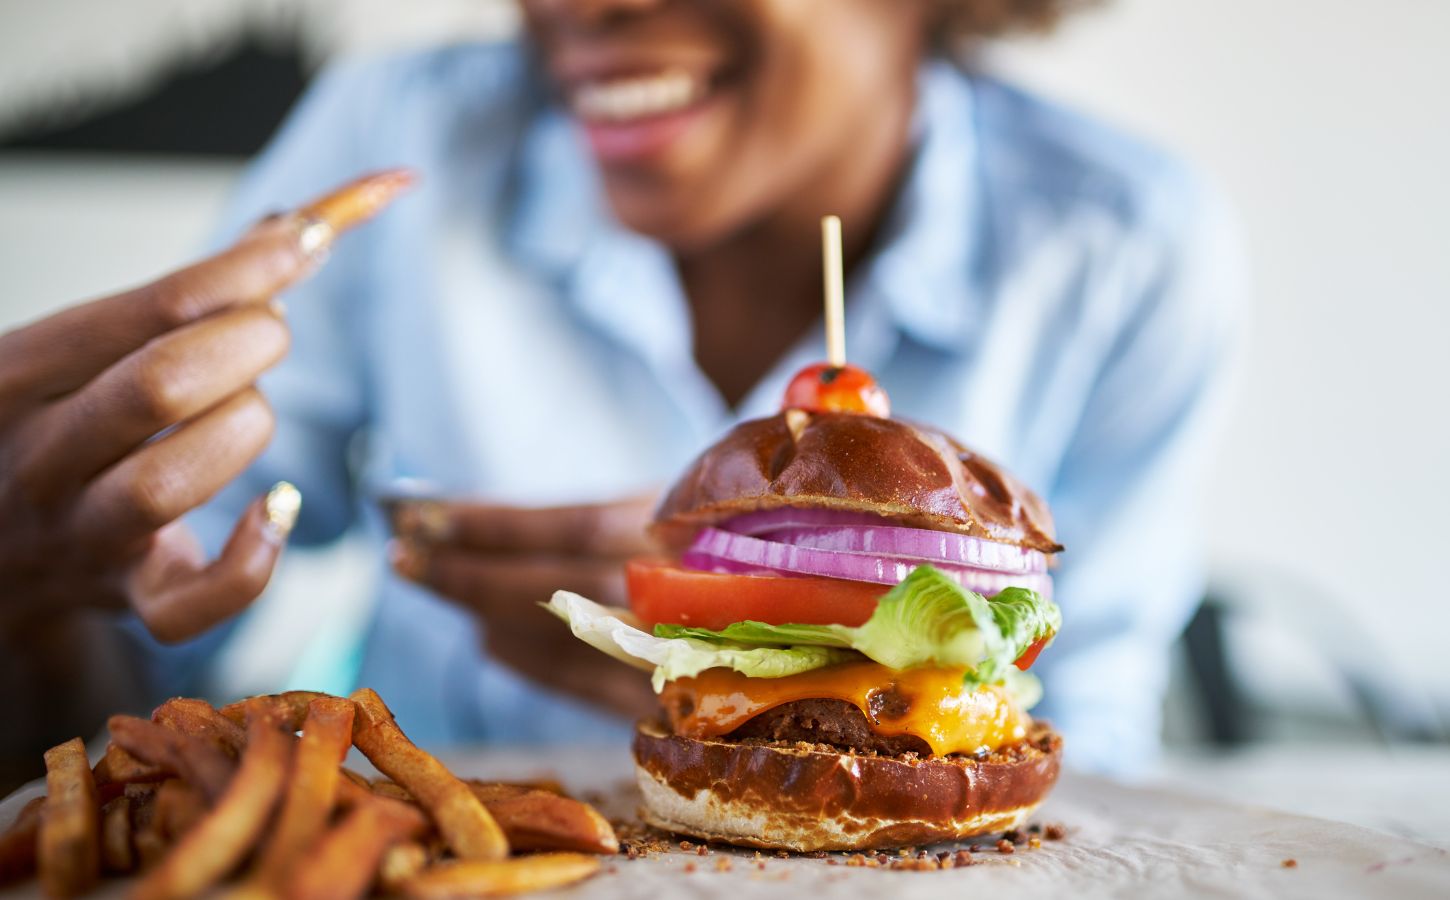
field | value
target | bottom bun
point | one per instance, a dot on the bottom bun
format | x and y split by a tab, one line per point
793	796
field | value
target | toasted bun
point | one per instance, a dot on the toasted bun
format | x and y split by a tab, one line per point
808	797
901	471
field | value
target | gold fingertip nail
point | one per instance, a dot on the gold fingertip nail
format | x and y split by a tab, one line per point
425	519
314	237
282	505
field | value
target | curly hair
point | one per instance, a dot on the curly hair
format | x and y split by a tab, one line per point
956	20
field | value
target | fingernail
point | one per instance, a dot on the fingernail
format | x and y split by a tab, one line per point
314	238
407	559
424	519
281	507
277	308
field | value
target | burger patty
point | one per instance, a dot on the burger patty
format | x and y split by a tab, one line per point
834	722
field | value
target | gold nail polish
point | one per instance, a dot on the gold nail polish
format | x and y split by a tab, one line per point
282	505
424	519
314	237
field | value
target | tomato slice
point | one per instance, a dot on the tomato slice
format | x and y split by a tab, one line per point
662	592
1029	656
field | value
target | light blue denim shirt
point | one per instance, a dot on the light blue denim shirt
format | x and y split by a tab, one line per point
1059	296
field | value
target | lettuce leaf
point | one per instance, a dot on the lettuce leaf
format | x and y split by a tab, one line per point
927	619
615	631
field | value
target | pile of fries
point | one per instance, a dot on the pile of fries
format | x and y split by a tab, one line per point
236	802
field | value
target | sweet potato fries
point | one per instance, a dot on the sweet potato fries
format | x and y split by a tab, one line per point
234	802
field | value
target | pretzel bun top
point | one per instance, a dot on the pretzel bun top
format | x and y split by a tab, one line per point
912	474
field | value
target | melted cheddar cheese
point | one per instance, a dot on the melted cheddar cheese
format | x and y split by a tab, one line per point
928	703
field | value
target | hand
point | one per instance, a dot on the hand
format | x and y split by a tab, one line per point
501	562
119	416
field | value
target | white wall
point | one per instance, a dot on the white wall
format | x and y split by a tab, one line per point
1328	124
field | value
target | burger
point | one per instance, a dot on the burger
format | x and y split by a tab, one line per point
840	634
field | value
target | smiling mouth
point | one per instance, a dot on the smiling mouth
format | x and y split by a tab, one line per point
634	98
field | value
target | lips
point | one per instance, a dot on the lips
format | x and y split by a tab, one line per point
630	99
636	117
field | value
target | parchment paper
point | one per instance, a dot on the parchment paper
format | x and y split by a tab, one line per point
1121	842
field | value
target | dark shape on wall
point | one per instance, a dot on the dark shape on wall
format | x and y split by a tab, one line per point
227	107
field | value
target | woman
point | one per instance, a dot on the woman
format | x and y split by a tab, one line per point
613	256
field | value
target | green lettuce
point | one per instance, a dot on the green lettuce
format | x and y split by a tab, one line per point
615	631
927	619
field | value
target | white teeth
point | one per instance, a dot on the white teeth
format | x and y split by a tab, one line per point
637	97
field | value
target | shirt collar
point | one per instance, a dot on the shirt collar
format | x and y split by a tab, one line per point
627	285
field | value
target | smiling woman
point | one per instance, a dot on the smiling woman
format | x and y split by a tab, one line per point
712	118
612	257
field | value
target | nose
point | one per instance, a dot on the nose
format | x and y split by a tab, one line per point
588	13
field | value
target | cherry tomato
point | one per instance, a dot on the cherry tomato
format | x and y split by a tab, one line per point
661	592
827	388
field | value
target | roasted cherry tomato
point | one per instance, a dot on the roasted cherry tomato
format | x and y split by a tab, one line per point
827	388
1029	656
661	592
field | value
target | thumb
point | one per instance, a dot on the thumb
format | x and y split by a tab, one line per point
178	595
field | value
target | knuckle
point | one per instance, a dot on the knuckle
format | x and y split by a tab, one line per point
267	332
152	496
253	407
173	301
160	389
159	624
242	584
277	257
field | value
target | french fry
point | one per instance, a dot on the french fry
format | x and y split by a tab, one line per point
151	847
312	791
224	837
552	785
401	862
69	846
290	706
199	719
179	806
392	790
17	844
356	779
475	878
540	820
459	816
344	862
118	852
146	834
350	793
194	759
119	767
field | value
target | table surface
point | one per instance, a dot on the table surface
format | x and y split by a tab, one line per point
1122	841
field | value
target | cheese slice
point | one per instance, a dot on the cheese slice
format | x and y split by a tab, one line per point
929	703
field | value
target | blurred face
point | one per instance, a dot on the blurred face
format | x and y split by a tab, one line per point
708	117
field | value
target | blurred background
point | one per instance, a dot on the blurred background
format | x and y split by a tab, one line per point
123	126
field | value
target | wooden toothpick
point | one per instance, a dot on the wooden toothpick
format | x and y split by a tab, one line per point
835	291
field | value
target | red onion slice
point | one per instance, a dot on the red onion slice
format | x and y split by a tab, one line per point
850	532
717	550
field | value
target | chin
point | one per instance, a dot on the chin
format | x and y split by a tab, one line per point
665	215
